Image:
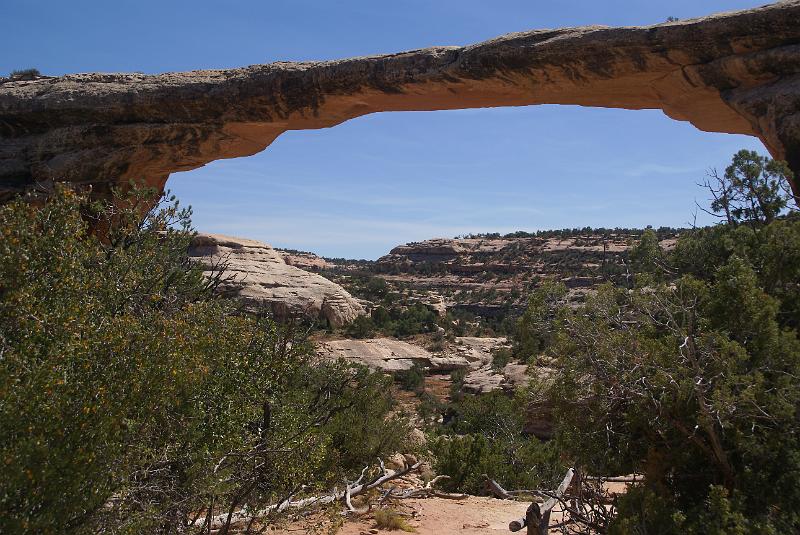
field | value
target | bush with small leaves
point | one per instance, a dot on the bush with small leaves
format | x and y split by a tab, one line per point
131	398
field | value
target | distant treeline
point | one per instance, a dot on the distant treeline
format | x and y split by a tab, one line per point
661	232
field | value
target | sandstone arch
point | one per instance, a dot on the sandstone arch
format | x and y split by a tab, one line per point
733	72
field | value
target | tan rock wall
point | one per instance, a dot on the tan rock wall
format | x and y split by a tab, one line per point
734	72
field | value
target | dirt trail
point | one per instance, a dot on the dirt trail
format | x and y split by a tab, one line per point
435	516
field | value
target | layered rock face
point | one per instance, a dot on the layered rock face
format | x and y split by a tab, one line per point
260	277
491	275
734	72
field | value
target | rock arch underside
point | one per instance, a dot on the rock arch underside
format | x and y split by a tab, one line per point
733	72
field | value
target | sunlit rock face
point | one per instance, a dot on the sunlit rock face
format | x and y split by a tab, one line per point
733	72
258	276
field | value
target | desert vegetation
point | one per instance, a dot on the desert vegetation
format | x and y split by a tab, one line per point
132	400
687	377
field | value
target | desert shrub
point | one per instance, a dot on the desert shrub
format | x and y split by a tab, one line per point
361	327
391	520
754	190
773	250
381	317
705	368
457	377
367	427
690	379
131	398
431	409
438	340
25	74
534	328
415	319
646	255
413	378
484	438
501	357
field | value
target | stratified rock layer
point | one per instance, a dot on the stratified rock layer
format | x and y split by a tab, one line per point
733	72
261	278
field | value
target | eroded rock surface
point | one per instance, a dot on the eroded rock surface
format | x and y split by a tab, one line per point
261	277
488	379
733	72
388	354
304	260
391	355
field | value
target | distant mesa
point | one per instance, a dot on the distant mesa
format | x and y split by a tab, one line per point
733	72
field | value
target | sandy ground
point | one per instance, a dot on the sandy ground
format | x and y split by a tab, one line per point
435	516
474	515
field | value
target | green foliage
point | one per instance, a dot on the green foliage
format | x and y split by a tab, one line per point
430	409
415	319
691	378
361	327
501	357
376	288
753	190
457	377
131	398
534	328
773	251
396	321
646	255
367	426
413	378
691	384
485	438
381	318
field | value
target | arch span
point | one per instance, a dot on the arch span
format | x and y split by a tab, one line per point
732	72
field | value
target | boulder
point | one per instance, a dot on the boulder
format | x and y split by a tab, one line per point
389	355
259	277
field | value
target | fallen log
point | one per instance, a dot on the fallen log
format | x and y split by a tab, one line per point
351	490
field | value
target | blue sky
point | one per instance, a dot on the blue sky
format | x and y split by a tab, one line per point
360	188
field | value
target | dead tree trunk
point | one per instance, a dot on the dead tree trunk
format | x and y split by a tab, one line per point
537	517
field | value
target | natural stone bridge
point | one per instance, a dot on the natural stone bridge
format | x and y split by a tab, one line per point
734	72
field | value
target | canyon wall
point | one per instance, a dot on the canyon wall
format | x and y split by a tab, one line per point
733	72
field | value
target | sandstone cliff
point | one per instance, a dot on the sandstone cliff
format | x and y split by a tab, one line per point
261	278
491	276
733	72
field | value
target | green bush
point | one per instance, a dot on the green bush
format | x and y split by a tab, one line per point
131	398
415	319
413	378
484	437
501	357
690	378
691	383
361	327
534	328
